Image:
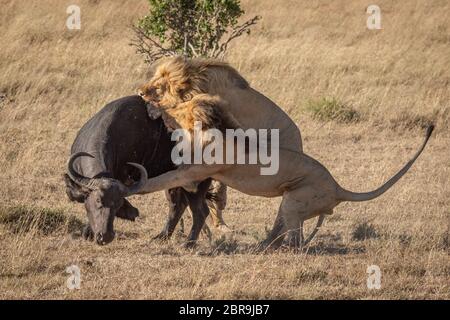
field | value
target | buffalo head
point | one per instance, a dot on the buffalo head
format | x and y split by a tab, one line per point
104	199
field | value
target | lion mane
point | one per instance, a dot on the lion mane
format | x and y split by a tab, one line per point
209	110
185	90
189	77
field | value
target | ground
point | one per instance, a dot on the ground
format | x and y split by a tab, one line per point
309	57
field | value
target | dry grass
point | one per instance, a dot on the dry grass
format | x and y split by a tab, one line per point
20	219
396	79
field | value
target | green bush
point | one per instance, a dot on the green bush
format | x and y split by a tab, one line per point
363	231
327	109
193	28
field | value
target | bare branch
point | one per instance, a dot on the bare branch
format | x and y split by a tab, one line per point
194	52
149	47
237	32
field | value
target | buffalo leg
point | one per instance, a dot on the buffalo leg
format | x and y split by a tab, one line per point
177	205
200	211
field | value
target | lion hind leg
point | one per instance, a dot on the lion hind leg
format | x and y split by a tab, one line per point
293	211
217	200
276	236
301	207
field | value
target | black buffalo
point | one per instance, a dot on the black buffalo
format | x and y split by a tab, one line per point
103	168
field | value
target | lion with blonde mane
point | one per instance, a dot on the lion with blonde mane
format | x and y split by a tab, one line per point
189	90
213	92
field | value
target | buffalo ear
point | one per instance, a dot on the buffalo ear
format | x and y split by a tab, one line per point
74	191
127	211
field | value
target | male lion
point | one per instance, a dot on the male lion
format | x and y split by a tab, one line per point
189	90
181	87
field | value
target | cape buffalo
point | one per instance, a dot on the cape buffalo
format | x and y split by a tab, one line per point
105	163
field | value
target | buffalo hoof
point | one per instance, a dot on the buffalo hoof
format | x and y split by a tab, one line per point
191	244
224	228
87	233
162	236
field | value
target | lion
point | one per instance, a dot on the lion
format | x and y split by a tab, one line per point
307	188
203	108
188	90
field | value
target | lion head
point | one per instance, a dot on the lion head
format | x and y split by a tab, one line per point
178	79
184	91
171	84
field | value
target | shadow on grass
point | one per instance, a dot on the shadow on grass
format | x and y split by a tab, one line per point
230	246
332	249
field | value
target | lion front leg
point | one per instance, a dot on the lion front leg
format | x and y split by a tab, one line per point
185	175
217	203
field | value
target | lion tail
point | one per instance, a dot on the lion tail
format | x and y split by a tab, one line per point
346	195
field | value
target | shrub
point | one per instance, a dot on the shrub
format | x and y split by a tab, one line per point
193	28
327	109
24	219
364	231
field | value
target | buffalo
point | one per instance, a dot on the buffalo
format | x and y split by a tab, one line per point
119	145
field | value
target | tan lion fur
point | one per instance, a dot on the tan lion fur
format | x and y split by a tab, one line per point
185	91
189	77
204	108
307	188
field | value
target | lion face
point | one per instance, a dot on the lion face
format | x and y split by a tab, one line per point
154	91
166	89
